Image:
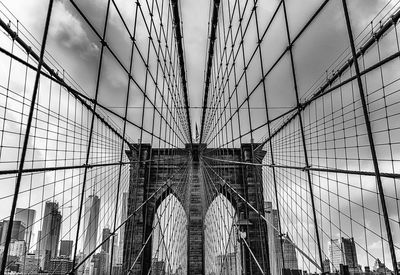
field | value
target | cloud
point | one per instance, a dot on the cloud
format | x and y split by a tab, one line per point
68	32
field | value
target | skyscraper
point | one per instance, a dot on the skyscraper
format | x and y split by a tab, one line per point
124	215
106	245
274	245
39	238
17	248
27	216
91	223
66	248
17	231
343	251
116	250
50	233
289	253
99	264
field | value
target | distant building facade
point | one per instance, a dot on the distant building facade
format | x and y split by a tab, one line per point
91	223
66	248
17	231
99	264
31	264
17	248
60	266
342	251
50	233
116	251
274	241
27	216
124	215
106	242
289	253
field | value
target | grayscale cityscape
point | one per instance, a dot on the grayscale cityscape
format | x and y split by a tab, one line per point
218	137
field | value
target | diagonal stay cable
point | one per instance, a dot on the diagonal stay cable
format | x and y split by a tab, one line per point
310	168
158	221
167	183
277	61
262	217
112	52
52	74
82	97
178	37
252	254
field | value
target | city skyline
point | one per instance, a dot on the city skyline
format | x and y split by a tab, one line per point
340	251
51	252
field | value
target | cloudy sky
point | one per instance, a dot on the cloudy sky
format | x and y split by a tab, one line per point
73	45
76	47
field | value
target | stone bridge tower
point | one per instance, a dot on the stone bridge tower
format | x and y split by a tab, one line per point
162	169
